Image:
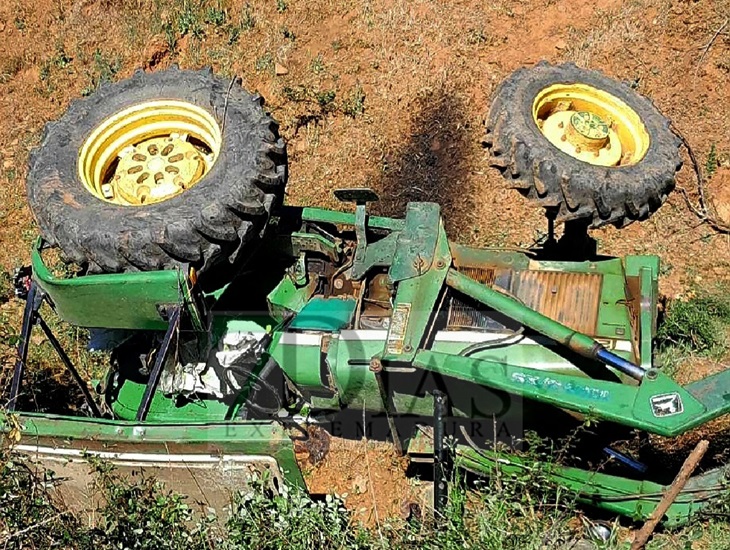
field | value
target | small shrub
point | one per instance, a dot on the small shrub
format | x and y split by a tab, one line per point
317	64
247	20
326	99
6	286
258	520
215	15
141	514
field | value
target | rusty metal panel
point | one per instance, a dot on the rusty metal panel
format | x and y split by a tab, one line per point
463	314
569	298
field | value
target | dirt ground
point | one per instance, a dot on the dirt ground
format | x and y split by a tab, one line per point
412	82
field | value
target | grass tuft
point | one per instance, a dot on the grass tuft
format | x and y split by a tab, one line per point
698	323
354	103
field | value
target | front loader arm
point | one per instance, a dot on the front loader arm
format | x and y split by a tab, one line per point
658	405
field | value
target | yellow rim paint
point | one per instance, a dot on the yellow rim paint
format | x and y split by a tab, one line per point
590	125
149	153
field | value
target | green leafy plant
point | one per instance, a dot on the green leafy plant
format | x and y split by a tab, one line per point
698	323
264	63
354	104
711	161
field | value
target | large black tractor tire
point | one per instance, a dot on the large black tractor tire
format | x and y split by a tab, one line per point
570	188
208	224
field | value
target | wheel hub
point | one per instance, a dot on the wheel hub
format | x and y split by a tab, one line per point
583	135
588	129
590	125
155	170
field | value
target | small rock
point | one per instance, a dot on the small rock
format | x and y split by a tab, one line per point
280	70
359	485
561	45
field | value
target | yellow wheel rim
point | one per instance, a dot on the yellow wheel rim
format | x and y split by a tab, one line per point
149	153
590	125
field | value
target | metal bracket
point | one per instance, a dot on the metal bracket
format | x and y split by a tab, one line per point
360	196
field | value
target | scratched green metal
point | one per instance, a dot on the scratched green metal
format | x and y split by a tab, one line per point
416	247
347	218
647	269
314	242
543	355
377	254
118	300
300	362
287	296
165	409
357	387
614	319
416	299
603	400
636	499
204	438
471	256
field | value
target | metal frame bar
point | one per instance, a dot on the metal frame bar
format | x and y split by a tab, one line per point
32	304
31	317
69	365
441	462
149	392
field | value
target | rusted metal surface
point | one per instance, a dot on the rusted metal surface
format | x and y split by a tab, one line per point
569	298
633	303
462	313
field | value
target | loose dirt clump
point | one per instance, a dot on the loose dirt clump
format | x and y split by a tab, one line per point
368	475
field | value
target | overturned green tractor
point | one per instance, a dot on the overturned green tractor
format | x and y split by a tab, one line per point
233	321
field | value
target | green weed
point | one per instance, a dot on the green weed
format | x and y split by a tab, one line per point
215	15
247	19
288	34
476	36
104	69
317	65
354	104
281	6
711	161
698	323
326	100
6	286
264	63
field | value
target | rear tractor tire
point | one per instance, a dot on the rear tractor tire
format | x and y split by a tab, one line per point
159	170
582	145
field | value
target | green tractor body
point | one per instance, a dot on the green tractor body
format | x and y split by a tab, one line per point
378	316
